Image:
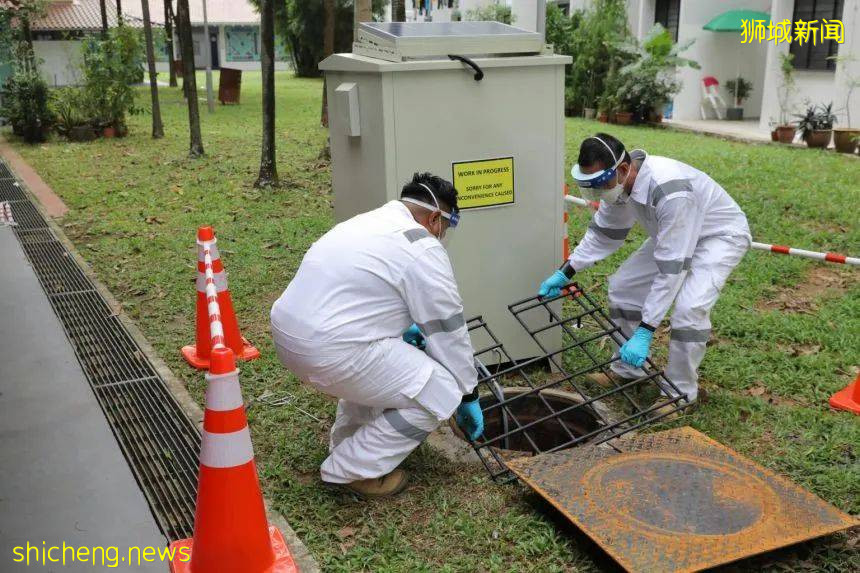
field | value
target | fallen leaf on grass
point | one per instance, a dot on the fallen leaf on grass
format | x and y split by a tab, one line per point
153	219
345	532
346	546
757	391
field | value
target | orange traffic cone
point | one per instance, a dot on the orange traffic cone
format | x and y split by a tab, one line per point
197	355
848	398
231	533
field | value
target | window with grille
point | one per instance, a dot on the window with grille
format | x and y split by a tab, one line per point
809	56
666	13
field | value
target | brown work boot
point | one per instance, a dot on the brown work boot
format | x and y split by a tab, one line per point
610	380
385	486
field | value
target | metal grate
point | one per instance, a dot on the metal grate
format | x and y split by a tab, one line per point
26	215
11	191
4	172
160	443
586	345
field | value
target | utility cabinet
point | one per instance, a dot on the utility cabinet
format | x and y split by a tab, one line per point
480	104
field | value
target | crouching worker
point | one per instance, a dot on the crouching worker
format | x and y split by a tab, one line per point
367	298
697	234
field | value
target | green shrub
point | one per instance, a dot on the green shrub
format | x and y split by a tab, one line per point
25	103
110	67
649	79
491	13
70	108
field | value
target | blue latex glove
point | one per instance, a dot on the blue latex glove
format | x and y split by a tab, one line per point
471	419
635	351
552	285
414	337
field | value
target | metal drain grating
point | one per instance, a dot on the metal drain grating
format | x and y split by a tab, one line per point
10	191
4	171
26	215
160	443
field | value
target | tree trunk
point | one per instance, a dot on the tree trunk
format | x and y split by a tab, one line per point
268	169
328	49
168	33
398	10
363	12
157	127
103	8
118	12
188	81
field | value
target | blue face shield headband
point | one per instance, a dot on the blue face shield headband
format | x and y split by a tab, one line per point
600	178
452	218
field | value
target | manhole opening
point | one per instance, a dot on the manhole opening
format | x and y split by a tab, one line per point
529	409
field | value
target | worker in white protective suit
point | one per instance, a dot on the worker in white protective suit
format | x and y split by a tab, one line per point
697	235
368	297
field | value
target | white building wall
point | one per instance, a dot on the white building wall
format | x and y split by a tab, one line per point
817	86
61	61
719	54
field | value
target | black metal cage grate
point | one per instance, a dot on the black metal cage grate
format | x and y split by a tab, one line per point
524	412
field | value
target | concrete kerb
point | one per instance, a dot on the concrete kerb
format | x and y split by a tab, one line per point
303	558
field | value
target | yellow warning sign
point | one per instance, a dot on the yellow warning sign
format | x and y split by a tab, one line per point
484	183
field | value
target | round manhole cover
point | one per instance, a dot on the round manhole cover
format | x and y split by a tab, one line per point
678	494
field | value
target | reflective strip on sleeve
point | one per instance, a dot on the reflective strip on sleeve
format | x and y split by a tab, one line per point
223	392
673	267
614	234
668	188
690	335
625	313
226	450
450	324
413	235
404	428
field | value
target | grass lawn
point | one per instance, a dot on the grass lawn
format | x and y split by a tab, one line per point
786	329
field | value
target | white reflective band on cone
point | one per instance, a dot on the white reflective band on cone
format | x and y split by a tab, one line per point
220	281
223	392
213	248
226	450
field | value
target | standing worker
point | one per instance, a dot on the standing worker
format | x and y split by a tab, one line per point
343	326
697	235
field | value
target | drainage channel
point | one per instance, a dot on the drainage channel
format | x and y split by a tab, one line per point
159	441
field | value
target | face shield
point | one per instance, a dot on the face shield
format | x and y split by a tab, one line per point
453	218
592	186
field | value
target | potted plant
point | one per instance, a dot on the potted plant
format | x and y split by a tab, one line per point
785	131
771	123
71	114
649	81
845	138
816	125
740	90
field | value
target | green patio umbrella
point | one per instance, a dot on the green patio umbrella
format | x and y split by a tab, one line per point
733	21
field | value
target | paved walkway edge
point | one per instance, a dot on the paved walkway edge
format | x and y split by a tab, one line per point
303	557
50	201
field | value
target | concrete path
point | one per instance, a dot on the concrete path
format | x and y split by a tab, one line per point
63	478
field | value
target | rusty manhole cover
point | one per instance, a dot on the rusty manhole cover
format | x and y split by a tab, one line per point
677	501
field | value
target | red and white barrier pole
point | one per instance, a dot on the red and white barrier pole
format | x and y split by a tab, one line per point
828	257
216	329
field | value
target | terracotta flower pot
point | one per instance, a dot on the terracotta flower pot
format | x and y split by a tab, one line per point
774	136
819	138
844	139
624	118
603	117
785	133
109	132
655	117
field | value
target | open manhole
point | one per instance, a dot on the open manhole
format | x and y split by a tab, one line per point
530	422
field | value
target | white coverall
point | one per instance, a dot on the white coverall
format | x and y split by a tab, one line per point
338	327
697	235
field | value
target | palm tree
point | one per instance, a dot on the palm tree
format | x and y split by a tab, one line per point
188	81
168	34
103	8
328	49
157	127
398	10
268	168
